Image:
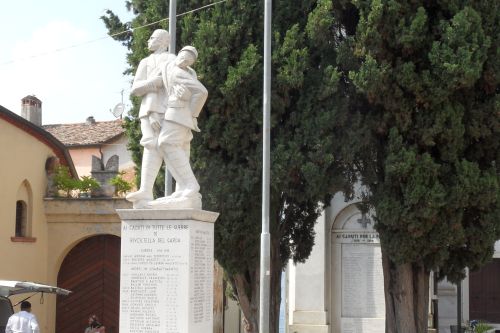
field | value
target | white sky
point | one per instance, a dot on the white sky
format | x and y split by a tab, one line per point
73	83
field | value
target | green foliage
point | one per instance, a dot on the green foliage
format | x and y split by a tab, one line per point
308	93
63	180
476	326
400	95
87	183
482	327
121	185
430	155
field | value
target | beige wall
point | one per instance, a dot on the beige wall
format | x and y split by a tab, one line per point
23	160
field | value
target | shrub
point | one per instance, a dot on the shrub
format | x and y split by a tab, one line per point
121	185
63	180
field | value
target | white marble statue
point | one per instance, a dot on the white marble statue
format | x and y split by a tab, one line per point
183	96
148	84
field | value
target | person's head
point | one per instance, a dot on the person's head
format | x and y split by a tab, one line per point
26	306
159	40
186	57
94	321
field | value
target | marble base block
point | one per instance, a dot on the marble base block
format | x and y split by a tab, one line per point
166	282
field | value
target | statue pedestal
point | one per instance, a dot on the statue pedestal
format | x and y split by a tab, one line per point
166	282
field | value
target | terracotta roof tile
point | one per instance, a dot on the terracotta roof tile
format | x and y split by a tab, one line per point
83	134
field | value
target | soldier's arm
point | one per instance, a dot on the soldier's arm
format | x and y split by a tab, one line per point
199	94
142	85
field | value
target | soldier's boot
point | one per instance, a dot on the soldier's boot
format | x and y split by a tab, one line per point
178	161
151	164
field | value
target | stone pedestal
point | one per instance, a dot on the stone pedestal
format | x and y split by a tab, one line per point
166	282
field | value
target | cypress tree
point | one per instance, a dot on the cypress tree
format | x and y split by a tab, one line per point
428	72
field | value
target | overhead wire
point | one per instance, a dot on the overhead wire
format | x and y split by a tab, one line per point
107	36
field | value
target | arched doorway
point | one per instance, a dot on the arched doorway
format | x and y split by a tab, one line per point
91	270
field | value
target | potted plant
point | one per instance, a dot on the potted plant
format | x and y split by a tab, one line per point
85	185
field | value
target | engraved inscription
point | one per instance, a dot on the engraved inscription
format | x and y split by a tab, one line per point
153	264
362	281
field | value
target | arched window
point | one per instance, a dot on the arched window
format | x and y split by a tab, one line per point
21	218
24	212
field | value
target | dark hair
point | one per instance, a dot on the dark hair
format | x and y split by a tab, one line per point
95	321
25	305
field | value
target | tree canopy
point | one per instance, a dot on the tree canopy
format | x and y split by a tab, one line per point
401	96
430	159
227	154
430	73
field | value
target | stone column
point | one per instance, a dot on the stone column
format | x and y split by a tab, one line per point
166	282
309	289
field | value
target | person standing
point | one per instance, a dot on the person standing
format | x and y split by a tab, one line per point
23	321
148	84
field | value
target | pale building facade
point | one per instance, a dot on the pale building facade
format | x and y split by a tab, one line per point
340	287
43	237
102	139
24	240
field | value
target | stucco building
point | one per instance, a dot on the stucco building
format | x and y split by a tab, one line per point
56	241
27	150
94	138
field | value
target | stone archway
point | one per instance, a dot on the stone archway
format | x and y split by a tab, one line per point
358	303
91	270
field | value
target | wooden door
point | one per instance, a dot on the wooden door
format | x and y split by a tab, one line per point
91	270
484	293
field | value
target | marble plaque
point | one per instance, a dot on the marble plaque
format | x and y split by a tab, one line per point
166	276
362	325
362	281
201	279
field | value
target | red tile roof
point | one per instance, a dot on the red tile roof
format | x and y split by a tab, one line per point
86	134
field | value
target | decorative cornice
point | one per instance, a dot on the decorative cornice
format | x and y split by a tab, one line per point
89	210
167	214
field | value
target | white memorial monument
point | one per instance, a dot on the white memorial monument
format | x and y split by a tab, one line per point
167	245
166	282
340	288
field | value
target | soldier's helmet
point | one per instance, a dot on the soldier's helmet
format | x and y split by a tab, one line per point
190	49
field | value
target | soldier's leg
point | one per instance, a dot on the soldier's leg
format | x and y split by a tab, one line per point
171	141
149	137
179	188
151	164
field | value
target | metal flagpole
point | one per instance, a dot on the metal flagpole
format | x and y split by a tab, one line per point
172	20
265	252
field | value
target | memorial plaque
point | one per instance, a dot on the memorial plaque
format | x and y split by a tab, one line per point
362	325
362	281
201	279
166	276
